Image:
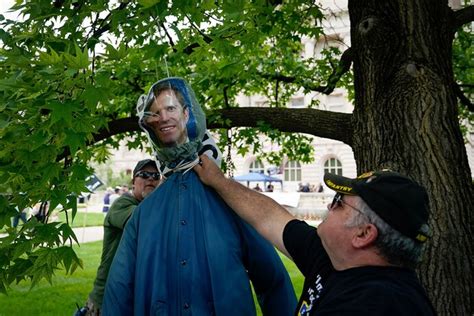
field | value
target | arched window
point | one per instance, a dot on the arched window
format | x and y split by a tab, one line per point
256	166
332	165
292	171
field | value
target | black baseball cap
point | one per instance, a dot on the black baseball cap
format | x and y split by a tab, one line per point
399	201
142	164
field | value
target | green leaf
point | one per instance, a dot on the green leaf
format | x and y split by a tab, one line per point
50	58
74	141
92	96
148	3
20	248
61	112
78	61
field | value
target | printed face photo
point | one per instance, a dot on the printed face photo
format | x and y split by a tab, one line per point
168	118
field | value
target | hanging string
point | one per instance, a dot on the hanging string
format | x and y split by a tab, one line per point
166	66
160	26
228	160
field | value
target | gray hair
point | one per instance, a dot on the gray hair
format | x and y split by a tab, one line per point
396	248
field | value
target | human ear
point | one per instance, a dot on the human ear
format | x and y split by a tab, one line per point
186	115
365	236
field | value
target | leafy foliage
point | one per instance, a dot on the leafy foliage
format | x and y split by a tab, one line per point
463	62
69	68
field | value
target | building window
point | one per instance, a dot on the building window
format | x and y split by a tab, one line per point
335	102
332	165
261	104
292	171
297	103
256	166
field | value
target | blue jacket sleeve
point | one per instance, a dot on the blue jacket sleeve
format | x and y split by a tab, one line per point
119	289
269	277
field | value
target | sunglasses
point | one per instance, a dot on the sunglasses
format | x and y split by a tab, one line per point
147	174
338	202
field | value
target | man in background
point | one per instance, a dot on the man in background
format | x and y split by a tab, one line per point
145	179
115	195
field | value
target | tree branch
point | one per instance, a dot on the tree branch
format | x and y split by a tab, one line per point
464	100
206	38
463	16
170	38
104	27
189	49
344	65
326	124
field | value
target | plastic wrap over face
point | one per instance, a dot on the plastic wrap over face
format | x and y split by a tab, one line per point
195	126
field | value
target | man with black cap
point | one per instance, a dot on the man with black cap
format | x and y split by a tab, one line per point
360	259
145	179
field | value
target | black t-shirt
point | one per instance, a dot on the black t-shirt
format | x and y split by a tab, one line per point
369	290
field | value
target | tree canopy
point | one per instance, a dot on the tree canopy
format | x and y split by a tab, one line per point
72	72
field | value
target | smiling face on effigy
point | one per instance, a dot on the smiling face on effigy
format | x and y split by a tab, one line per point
167	117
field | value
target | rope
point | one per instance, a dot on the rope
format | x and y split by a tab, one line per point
228	160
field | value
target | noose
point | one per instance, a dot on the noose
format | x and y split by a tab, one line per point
230	167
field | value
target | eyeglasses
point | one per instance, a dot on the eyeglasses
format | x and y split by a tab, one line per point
338	201
147	174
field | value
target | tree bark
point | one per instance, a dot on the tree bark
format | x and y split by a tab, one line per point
319	123
406	106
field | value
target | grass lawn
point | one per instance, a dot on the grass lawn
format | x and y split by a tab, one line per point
89	218
60	298
81	219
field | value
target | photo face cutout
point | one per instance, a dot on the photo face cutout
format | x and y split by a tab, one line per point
167	118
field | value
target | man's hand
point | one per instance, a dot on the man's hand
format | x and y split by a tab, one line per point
92	308
264	214
209	172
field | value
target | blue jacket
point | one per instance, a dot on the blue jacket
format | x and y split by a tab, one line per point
184	252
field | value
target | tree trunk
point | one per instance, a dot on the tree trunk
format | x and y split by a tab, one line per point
406	107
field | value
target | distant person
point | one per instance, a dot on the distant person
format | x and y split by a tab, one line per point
303	187
270	187
320	188
257	188
145	179
306	188
124	189
40	211
23	216
184	252
106	200
115	195
361	258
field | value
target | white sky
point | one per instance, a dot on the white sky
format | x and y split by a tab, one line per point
4	6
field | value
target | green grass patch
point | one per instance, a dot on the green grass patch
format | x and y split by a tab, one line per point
296	277
82	219
61	297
